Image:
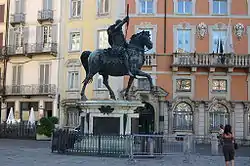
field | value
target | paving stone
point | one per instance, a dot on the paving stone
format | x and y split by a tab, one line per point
33	153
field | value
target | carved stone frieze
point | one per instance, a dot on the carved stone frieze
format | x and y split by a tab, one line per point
201	30
187	100
239	30
223	101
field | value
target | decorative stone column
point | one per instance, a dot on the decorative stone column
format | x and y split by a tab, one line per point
166	120
170	118
196	118
55	110
245	120
17	111
206	118
41	109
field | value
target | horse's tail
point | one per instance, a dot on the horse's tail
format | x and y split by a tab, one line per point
84	60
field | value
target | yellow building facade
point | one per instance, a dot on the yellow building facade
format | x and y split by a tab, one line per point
84	29
33	58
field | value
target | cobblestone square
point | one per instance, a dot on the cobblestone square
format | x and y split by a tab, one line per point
34	153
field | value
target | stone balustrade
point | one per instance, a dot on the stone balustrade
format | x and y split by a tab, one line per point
211	60
150	60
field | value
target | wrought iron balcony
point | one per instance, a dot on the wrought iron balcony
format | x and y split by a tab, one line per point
45	15
29	49
17	18
150	60
211	60
29	90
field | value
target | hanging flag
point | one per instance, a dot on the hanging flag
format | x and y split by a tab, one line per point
221	47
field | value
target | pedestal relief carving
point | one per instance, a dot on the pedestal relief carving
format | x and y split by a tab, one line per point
201	30
239	30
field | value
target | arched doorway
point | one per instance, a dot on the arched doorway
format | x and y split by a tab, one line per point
146	119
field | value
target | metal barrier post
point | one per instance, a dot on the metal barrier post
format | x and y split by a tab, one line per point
214	145
131	155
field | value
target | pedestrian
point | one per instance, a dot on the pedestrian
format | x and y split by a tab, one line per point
228	145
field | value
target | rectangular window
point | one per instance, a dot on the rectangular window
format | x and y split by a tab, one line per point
47	35
220	7
184	6
76	8
16	78
146	6
73	80
219	85
103	7
151	37
183	40
103	39
75	41
2	7
217	36
44	78
47	4
183	85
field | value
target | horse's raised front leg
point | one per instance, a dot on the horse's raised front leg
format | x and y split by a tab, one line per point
106	83
130	81
143	74
85	83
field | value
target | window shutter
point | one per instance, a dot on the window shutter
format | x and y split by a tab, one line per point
26	35
54	33
22	6
2	7
14	75
17	6
41	74
45	6
19	75
47	75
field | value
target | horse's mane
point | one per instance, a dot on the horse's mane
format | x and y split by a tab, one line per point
134	36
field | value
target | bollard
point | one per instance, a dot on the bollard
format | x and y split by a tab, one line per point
150	146
214	145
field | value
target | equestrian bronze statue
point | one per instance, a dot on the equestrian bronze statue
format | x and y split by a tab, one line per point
121	59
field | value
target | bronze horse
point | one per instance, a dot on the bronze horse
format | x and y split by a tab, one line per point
105	62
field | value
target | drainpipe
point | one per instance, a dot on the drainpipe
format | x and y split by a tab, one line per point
60	69
165	22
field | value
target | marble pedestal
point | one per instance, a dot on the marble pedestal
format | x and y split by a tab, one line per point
120	109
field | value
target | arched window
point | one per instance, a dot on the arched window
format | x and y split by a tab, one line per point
183	117
218	115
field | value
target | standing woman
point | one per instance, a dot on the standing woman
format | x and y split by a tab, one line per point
228	145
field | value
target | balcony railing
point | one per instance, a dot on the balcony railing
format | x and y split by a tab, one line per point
17	18
150	60
26	90
27	49
211	60
45	15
